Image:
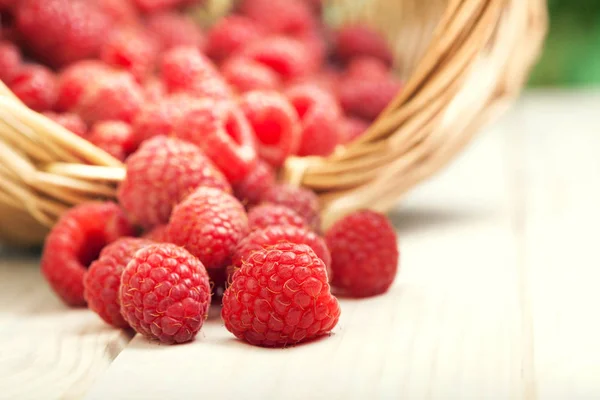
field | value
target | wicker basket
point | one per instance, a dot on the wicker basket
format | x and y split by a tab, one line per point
463	61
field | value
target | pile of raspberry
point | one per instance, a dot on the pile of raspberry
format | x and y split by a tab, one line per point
203	119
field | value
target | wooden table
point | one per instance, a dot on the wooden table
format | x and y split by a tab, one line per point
497	296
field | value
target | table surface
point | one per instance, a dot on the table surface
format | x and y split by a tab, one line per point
496	299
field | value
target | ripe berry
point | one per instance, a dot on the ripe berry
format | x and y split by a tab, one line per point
221	130
275	124
154	91
303	201
160	174
103	278
244	75
270	236
367	68
231	34
114	137
10	61
280	296
266	215
173	29
75	78
133	50
360	40
152	6
286	17
364	254
159	234
116	96
75	241
165	293
72	122
367	98
119	11
35	85
253	186
209	223
353	128
320	118
62	31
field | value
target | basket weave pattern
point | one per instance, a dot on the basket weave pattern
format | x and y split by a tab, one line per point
463	60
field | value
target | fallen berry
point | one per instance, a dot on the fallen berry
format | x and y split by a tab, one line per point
303	201
253	186
266	215
173	29
131	49
160	174
359	40
114	137
165	293
75	78
10	61
35	86
244	75
75	241
71	121
275	124
280	297
209	223
231	34
364	253
103	278
367	99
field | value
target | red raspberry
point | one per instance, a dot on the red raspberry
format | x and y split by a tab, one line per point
75	241
367	99
71	121
270	236
367	68
327	79
131	49
288	57
114	137
152	6
287	17
223	133
275	124
209	223
353	128
360	40
10	61
320	115
119	11
279	297
75	78
62	31
160	234
160	174
245	75
365	254
267	215
35	85
103	278
165	293
231	34
172	29
116	96
251	189
303	201
154	91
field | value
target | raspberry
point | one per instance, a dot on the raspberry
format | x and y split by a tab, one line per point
10	61
160	234
132	50
360	40
223	133
320	116
364	252
165	293
231	34
253	186
70	121
303	201
114	137
103	278
367	68
35	85
353	128
116	96
287	17
209	223
74	79
152	6
245	75
275	124
288	57
279	297
270	236
160	174
266	215
367	99
62	31
119	11
75	241
154	91
172	29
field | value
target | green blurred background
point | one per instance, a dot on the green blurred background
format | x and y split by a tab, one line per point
572	54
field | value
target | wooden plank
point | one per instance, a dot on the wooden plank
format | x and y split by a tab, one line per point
451	326
47	351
